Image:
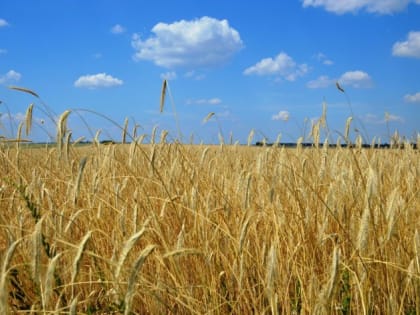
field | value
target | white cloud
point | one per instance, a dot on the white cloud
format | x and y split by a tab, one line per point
371	6
408	48
324	59
356	79
281	115
412	98
117	29
391	117
374	119
97	81
3	23
321	82
171	75
210	101
201	42
193	74
282	65
11	76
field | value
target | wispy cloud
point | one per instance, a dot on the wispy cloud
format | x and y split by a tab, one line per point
324	59
100	80
353	6
408	48
375	119
203	42
203	101
3	23
171	75
282	115
3	51
412	98
194	75
282	66
10	76
118	29
355	79
321	82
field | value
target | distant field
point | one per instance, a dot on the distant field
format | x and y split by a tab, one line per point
195	229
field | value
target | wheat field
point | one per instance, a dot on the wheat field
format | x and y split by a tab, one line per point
168	228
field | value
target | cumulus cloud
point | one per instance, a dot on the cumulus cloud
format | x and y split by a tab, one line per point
282	115
99	80
117	29
356	79
282	66
203	101
203	42
10	76
371	6
412	98
3	23
409	47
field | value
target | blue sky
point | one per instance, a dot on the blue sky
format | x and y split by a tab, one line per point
266	66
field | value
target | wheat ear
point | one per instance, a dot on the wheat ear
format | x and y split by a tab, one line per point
82	165
163	95
78	257
49	280
28	119
3	277
271	279
126	249
133	277
36	253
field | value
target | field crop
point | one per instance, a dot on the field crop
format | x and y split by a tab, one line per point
168	228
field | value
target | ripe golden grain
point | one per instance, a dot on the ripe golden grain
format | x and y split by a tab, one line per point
233	230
